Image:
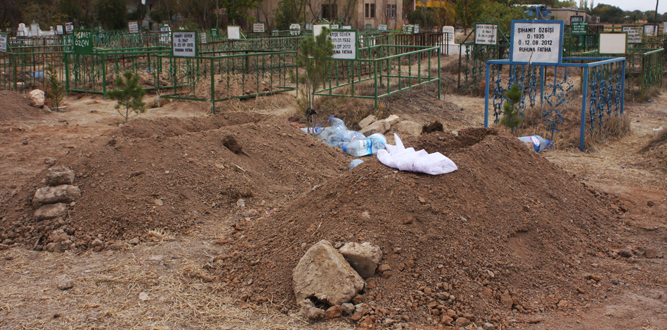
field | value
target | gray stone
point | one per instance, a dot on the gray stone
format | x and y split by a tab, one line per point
408	128
59	175
65	282
367	121
324	274
462	322
58	235
59	194
488	326
348	308
376	127
50	211
364	258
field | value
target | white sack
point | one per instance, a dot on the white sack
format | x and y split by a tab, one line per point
407	159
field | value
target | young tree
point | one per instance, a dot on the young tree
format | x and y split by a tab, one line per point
56	90
315	56
511	118
129	94
236	9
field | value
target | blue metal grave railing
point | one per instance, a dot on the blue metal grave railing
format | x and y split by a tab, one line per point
602	89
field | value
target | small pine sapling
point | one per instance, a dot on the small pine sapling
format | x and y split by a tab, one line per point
56	90
129	94
511	117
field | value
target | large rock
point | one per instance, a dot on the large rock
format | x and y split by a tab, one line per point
37	97
50	211
408	128
392	120
376	127
58	194
324	274
364	258
367	121
60	175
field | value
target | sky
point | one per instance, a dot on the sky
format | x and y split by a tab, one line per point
642	5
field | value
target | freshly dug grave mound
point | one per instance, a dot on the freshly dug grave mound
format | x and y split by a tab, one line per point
155	175
15	106
506	230
655	152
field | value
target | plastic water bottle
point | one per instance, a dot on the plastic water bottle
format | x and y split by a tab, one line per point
379	142
349	136
354	163
358	147
538	142
312	130
337	124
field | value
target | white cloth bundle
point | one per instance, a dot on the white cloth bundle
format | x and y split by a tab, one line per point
407	159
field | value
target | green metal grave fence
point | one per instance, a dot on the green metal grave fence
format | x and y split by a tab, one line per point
24	68
220	76
385	69
473	57
95	73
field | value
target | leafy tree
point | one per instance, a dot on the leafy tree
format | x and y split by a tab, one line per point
236	9
129	94
609	14
290	11
10	13
112	14
56	90
315	56
469	11
511	118
503	15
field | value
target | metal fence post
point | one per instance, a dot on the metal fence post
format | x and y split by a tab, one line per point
486	96
582	129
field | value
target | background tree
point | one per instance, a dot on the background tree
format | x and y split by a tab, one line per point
609	14
236	9
503	15
112	14
316	57
129	94
469	11
10	14
290	11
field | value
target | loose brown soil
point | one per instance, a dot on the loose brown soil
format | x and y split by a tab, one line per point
16	107
558	240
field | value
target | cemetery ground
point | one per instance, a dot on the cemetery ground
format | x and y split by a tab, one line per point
173	230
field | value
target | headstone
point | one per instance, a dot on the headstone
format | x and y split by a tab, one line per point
83	42
335	26
164	36
215	32
34	30
634	34
650	30
202	37
59	29
258	27
613	43
295	29
486	34
184	43
69	28
309	26
345	44
382	27
416	28
579	28
347	27
3	42
133	26
576	18
449	34
234	32
537	42
408	28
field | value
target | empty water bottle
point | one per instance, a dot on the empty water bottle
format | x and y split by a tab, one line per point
538	142
379	141
359	147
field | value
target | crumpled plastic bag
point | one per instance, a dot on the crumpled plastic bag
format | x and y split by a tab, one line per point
407	159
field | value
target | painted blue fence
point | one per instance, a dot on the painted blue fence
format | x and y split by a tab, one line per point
601	87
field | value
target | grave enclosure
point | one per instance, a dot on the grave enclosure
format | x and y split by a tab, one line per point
225	66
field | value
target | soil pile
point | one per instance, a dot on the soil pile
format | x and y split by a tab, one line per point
506	230
15	106
172	173
655	152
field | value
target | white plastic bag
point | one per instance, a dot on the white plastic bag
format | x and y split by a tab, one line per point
407	159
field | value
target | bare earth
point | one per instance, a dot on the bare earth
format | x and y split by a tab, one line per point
159	283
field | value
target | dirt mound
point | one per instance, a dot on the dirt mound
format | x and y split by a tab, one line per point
506	230
15	106
655	152
169	174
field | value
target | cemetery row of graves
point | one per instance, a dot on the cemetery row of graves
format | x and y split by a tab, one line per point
558	68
